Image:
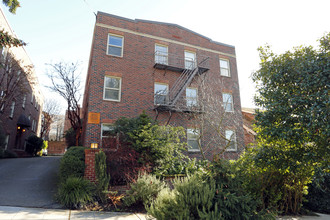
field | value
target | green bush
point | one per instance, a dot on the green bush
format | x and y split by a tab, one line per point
34	145
144	190
102	177
75	192
72	163
318	198
191	198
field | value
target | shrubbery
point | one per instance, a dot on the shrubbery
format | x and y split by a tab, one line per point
75	192
144	190
34	145
72	163
102	177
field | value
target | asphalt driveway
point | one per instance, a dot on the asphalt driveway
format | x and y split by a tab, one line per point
29	182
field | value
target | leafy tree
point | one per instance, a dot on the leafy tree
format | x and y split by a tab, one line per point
12	4
34	145
293	90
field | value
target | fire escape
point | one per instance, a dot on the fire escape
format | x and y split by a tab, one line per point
173	100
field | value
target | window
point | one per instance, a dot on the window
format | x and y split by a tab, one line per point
24	100
161	54
12	109
115	45
189	60
32	97
192	139
4	51
224	68
231	140
161	92
191	97
6	141
227	102
105	133
33	125
112	88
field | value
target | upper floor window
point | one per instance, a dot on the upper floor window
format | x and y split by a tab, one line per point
112	88
161	92
231	140
32	98
12	109
224	67
228	102
193	139
115	45
161	54
191	97
189	60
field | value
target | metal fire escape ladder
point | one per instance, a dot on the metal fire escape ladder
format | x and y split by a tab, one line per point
181	84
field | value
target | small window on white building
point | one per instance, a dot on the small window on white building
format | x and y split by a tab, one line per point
12	109
161	54
160	95
193	139
231	143
191	97
115	45
228	102
112	88
189	60
224	67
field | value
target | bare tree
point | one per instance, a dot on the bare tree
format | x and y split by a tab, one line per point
50	111
15	81
66	82
216	123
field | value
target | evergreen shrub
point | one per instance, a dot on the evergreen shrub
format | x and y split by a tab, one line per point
72	163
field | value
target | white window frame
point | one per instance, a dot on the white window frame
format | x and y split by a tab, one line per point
188	98
225	103
12	109
161	58
191	63
231	135
102	126
197	132
166	95
222	69
112	45
117	89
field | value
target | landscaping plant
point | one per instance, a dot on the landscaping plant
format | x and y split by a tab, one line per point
72	163
102	177
143	190
34	145
75	192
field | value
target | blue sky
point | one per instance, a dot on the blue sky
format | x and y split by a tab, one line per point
59	30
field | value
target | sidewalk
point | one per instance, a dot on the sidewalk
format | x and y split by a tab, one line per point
8	213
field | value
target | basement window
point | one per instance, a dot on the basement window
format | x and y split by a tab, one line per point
115	45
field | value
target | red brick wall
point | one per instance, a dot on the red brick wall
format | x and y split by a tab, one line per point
56	147
90	164
138	75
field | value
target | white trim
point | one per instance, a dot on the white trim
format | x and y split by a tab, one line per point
197	140
228	62
122	46
163	39
167	91
119	89
225	103
235	140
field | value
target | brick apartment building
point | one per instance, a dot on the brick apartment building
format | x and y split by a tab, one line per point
172	73
20	96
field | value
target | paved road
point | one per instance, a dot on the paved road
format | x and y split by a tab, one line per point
29	182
